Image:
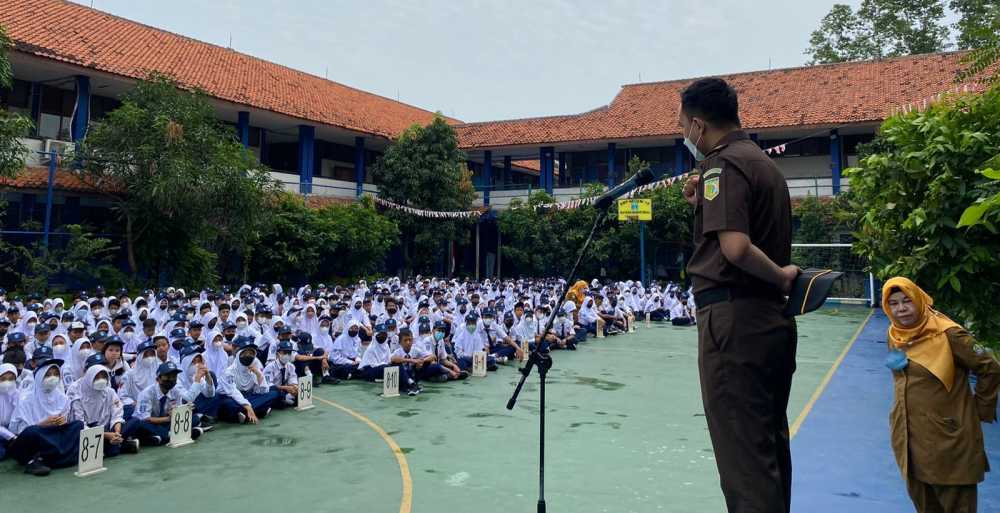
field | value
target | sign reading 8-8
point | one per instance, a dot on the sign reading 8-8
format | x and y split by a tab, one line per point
181	423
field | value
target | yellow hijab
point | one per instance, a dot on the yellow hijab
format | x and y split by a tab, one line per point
575	293
926	342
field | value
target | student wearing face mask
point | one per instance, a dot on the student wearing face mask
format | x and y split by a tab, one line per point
115	363
46	438
346	354
280	373
309	357
9	396
97	404
433	342
499	343
76	365
151	422
194	370
467	341
248	395
216	357
139	377
563	331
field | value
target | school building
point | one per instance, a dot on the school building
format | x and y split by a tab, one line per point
72	63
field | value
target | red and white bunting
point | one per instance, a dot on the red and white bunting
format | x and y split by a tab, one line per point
433	214
922	104
577	203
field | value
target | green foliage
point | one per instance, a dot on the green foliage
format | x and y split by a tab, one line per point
84	259
986	210
12	126
979	23
195	267
878	29
910	193
545	242
424	168
176	176
303	244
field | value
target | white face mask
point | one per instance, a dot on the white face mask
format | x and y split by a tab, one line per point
693	147
50	383
100	385
241	324
7	386
149	361
217	343
85	353
286	358
59	350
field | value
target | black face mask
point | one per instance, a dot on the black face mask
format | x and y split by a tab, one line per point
381	338
391	311
229	336
168	384
246	359
352	333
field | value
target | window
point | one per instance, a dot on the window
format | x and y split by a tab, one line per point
56	113
17	98
811	147
101	106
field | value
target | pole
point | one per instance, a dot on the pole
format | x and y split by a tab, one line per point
642	252
48	199
477	250
498	250
871	290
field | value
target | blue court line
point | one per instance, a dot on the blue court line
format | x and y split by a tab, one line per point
841	457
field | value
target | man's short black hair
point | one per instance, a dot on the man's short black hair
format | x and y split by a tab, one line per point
713	100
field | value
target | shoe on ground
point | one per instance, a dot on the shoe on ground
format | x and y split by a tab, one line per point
207	422
206	429
37	467
196	433
156	440
440	378
241	418
266	413
330	380
463	374
131	446
317	381
414	391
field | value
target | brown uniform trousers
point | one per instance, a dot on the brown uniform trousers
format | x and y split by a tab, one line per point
936	433
746	358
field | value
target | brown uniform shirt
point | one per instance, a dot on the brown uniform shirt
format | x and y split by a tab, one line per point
936	433
741	190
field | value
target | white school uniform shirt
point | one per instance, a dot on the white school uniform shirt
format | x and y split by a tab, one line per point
272	372
137	379
149	400
377	354
563	327
679	310
415	352
94	407
8	403
466	344
346	348
238	379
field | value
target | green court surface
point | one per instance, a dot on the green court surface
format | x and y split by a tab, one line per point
624	423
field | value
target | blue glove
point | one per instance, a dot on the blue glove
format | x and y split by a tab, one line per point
896	360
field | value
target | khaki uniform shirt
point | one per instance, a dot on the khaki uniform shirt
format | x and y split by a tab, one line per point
936	434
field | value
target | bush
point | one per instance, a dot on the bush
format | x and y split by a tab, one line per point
910	192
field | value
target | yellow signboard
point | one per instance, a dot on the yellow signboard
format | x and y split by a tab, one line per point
635	210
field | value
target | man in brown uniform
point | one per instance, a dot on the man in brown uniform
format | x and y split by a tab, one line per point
740	272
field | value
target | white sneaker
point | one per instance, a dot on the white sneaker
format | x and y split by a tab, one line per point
241	418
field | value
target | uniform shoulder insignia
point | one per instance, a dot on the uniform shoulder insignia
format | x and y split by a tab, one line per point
712	172
712	188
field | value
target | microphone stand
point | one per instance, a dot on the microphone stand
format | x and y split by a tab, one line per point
540	358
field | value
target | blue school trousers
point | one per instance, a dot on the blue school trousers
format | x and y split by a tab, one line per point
144	430
314	366
56	445
342	371
229	409
372	373
431	371
465	363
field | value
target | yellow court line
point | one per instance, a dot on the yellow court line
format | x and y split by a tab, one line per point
826	379
404	469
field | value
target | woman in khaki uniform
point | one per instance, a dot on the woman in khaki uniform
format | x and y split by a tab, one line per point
935	417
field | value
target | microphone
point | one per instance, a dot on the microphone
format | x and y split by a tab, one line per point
638	180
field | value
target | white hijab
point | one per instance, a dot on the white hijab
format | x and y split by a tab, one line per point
97	404
243	378
347	344
8	400
216	358
36	405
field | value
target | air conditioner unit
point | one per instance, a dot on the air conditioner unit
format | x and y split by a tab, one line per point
62	148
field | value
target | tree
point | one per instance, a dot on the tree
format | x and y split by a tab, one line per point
878	29
978	25
12	126
424	168
911	188
184	187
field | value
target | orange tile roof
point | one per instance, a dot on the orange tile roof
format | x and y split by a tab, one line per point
832	94
71	33
38	178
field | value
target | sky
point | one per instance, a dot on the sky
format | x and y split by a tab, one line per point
479	60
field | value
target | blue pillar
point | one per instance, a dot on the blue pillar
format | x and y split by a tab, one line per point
612	175
836	149
562	169
48	198
487	176
506	170
81	112
36	106
243	127
547	156
642	252
680	157
307	144
263	146
359	165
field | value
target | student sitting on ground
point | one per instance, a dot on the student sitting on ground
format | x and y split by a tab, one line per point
8	403
415	364
377	357
346	354
280	373
248	395
151	422
680	314
96	404
45	438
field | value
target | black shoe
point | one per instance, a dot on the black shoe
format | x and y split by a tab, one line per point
463	375
571	347
317	380
440	378
130	446
196	433
36	467
207	421
330	380
266	413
